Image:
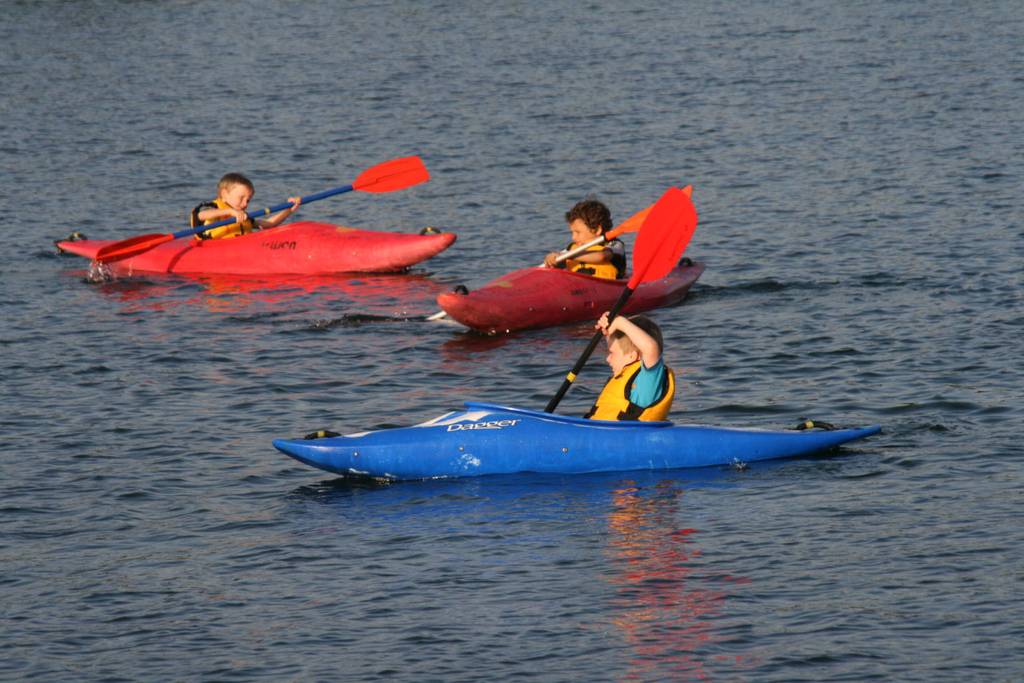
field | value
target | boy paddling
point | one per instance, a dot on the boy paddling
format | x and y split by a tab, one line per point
234	192
641	386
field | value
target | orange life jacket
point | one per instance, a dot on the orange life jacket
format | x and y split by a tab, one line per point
224	231
614	269
614	403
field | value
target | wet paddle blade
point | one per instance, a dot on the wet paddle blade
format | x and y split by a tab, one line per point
663	237
636	221
389	176
130	247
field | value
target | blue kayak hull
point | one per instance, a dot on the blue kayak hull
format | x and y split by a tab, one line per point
492	439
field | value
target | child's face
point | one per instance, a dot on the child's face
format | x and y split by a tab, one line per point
617	357
236	196
581	232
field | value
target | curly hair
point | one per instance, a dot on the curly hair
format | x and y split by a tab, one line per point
592	212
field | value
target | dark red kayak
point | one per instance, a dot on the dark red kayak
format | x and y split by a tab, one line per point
543	297
300	248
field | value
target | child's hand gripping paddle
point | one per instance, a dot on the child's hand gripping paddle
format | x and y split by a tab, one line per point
663	237
389	176
631	224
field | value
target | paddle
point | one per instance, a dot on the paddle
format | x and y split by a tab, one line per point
388	176
666	231
631	224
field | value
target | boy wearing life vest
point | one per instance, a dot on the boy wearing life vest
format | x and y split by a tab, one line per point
641	386
234	191
588	220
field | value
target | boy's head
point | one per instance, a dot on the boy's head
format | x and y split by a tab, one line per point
235	190
590	218
621	349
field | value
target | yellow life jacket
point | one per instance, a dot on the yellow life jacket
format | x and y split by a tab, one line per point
614	403
610	270
224	231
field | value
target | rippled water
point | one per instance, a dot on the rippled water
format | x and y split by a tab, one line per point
857	168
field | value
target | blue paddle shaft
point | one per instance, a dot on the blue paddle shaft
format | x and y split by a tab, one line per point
265	212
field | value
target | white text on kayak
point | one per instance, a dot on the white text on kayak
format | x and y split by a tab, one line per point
494	424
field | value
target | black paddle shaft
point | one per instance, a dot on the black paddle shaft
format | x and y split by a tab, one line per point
594	341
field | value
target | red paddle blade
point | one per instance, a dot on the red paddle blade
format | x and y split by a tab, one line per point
663	237
389	176
636	221
130	247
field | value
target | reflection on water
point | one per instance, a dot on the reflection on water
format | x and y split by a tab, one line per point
663	605
391	295
139	294
467	343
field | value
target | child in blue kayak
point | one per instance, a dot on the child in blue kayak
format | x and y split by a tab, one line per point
234	191
588	220
641	386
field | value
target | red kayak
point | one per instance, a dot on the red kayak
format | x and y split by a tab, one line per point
543	297
300	248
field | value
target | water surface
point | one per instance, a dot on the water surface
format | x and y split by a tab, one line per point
857	168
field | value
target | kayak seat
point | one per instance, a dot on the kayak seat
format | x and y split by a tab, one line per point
320	434
815	424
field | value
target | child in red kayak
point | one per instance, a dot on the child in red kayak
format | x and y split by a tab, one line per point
588	220
641	386
234	191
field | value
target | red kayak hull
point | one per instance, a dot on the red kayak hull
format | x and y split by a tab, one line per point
300	248
544	297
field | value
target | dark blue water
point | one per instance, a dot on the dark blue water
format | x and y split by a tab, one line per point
858	172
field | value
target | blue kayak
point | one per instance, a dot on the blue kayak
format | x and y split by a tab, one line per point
492	439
